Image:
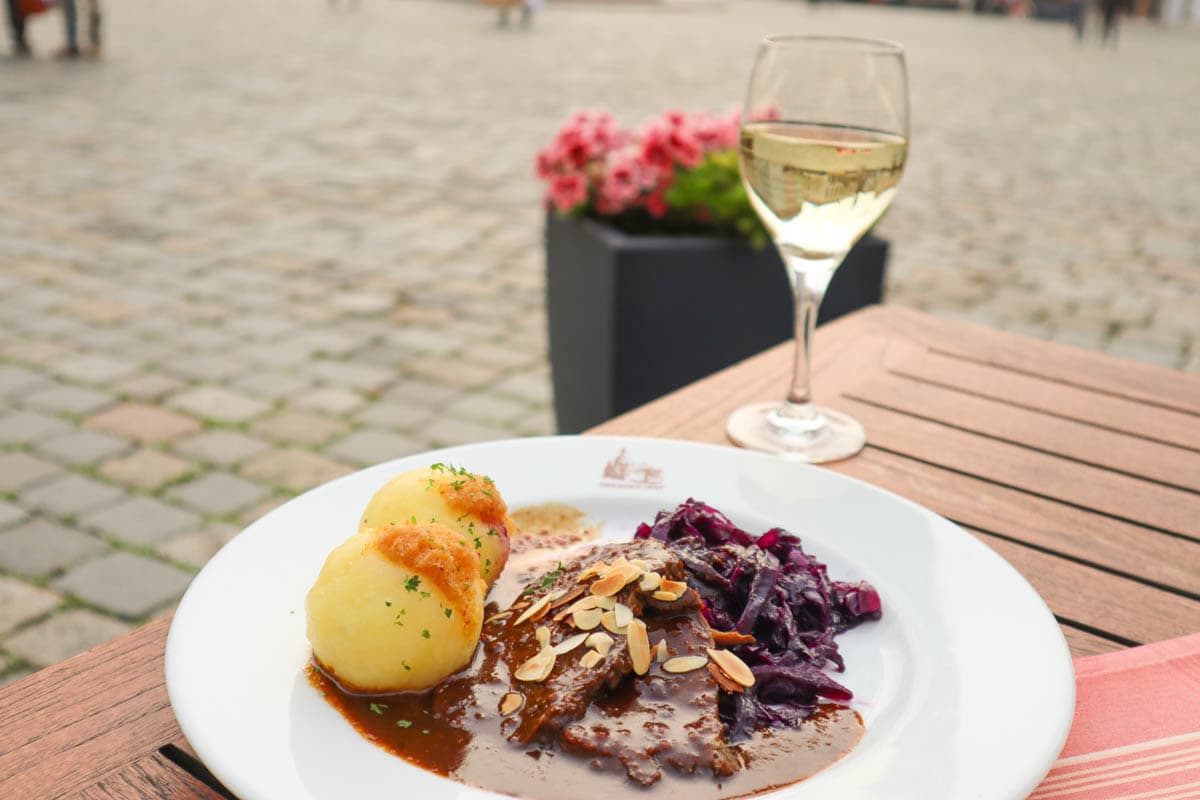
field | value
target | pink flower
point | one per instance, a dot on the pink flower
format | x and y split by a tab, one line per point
718	132
568	190
622	182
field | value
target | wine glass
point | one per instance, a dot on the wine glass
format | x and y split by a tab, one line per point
824	139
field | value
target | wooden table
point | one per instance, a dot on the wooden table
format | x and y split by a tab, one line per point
1081	469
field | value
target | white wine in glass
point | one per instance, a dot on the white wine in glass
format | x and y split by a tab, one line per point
823	145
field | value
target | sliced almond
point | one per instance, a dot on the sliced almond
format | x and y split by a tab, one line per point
610	584
543	635
640	564
586	620
590	659
623	614
668	596
495	617
570	595
639	647
601	642
569	644
519	606
684	663
732	666
724	681
511	702
609	620
660	651
539	608
538	668
676	588
592	571
607	603
650	581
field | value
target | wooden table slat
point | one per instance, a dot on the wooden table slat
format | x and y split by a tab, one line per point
914	361
1087	443
1121	496
93	714
1118	606
1063	364
1112	544
1083	643
150	778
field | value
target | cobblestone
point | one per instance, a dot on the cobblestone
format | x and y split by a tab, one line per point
197	547
40	547
224	448
145	469
18	470
20	602
208	293
10	514
212	402
70	495
144	423
294	470
94	369
63	636
61	398
25	427
218	493
366	447
298	427
82	447
125	584
141	521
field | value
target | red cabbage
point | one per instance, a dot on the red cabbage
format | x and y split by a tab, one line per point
770	588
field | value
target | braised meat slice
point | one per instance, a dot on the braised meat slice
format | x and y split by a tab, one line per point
661	718
620	721
568	691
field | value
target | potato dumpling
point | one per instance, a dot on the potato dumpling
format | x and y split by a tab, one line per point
396	608
464	502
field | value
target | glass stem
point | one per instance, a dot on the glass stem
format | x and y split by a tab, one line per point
809	275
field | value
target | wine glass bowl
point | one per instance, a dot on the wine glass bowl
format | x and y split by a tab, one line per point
823	143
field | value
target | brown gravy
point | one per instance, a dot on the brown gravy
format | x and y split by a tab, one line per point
470	748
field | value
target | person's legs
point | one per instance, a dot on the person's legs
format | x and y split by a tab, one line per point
16	23
94	24
71	23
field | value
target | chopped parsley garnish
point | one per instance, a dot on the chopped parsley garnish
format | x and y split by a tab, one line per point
425	595
449	613
387	603
425	633
492	532
478	543
550	577
413	519
405	665
458	484
412	583
403	723
378	708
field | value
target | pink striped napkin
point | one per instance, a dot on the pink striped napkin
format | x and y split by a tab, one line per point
1136	734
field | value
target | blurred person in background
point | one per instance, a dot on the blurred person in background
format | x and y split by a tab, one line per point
70	10
16	24
1112	13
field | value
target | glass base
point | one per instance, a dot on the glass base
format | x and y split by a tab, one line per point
838	437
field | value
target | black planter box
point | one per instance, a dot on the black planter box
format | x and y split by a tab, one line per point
634	317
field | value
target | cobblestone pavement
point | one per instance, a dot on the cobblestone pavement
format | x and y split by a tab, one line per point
261	245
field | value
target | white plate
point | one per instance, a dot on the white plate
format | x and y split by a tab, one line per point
966	685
